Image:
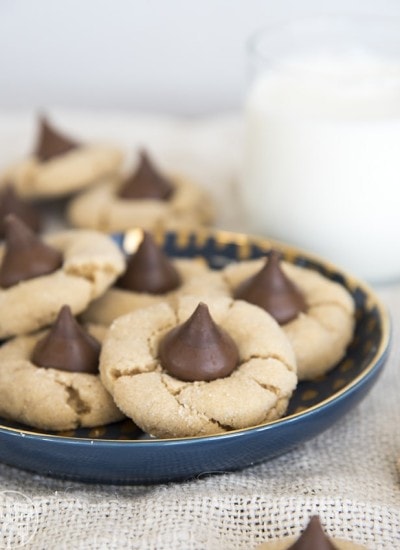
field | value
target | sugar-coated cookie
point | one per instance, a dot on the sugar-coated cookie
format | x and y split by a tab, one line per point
107	208
60	166
48	398
90	263
196	277
257	391
321	332
150	277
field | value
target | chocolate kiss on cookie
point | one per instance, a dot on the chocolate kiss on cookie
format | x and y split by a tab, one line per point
26	255
67	346
149	270
51	143
198	349
272	290
146	183
313	538
11	203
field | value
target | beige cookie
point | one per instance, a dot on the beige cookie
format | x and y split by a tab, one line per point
257	391
92	262
100	208
51	399
319	336
64	174
284	544
197	279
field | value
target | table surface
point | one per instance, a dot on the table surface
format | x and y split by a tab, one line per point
347	475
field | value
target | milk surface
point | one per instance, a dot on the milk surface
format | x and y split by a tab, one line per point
322	159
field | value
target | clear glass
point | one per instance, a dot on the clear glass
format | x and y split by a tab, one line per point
322	141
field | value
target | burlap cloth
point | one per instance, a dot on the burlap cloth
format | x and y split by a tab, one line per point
347	475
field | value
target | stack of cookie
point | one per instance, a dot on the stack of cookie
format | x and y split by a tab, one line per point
50	379
166	360
99	194
60	166
181	349
186	350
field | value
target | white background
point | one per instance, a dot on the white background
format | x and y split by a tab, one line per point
172	56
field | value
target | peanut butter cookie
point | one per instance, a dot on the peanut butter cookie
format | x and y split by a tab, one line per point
60	166
83	264
312	538
151	277
316	313
197	401
142	199
51	398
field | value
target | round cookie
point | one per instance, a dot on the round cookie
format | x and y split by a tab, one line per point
196	279
313	537
91	263
47	398
257	391
184	205
284	544
61	166
321	334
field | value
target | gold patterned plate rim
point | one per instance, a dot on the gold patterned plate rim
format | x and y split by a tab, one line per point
244	242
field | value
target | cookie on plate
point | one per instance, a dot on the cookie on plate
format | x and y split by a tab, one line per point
11	203
316	313
150	277
61	166
312	538
49	380
144	198
193	369
39	275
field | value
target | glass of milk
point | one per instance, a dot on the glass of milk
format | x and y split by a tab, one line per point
322	146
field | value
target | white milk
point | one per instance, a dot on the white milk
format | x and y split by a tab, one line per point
322	160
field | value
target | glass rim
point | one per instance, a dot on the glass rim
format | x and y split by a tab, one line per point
253	41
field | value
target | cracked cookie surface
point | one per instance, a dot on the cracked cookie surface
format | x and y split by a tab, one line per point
92	262
100	208
319	336
197	279
64	174
51	399
257	391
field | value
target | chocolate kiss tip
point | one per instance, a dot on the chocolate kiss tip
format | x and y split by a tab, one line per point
273	291
149	270
313	538
146	182
11	203
67	346
52	143
26	256
198	349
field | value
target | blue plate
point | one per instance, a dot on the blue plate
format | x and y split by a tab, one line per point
119	453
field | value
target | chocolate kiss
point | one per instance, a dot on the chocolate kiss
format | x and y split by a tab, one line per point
149	270
51	143
11	203
26	256
146	183
271	289
198	349
67	346
313	538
